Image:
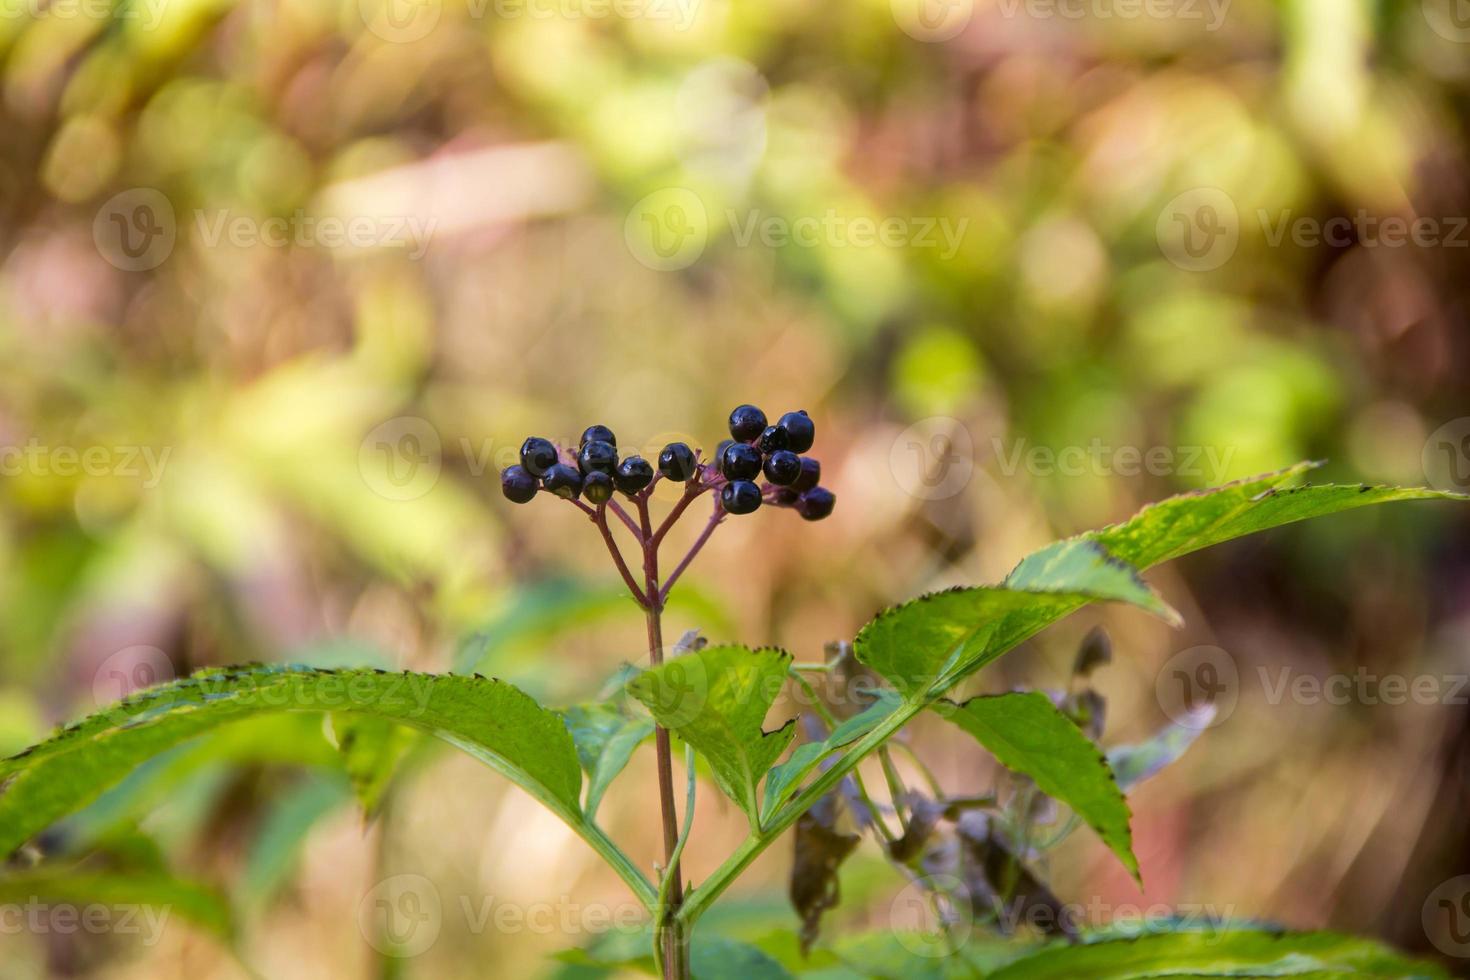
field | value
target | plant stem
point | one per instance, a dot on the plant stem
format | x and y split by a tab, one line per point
675	952
599	517
709	529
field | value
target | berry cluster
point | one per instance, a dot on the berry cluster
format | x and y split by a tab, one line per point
595	472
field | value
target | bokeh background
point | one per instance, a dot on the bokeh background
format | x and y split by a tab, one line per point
284	282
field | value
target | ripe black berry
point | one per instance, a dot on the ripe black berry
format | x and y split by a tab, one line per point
563	480
811	475
517	483
720	448
597	487
597	457
785	497
773	438
747	422
816	503
538	455
740	462
801	432
740	497
633	474
676	462
783	467
599	433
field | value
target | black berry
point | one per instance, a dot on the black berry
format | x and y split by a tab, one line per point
597	487
597	457
801	432
740	462
599	433
773	438
816	503
563	480
746	423
783	467
517	483
811	475
633	474
538	455
741	497
785	497
676	462
720	449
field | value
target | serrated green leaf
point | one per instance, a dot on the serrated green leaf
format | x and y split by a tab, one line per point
716	699
948	635
1082	566
1027	734
1218	953
784	779
606	739
166	895
488	719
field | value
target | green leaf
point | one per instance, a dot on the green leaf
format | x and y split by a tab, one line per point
1081	565
1191	521
488	719
945	636
1027	734
606	739
371	749
716	699
1218	953
166	895
784	779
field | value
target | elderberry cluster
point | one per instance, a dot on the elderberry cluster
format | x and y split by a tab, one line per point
594	472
